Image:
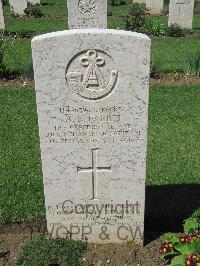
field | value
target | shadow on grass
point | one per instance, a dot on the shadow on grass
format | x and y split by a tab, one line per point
167	206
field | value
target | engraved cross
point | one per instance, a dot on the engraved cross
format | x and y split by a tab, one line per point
94	170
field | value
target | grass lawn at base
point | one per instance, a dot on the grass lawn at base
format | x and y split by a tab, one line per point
173	146
173	139
21	191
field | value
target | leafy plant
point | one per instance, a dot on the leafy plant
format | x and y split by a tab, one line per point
113	2
43	251
28	71
4	49
2	58
175	30
122	2
154	66
183	250
20	33
33	11
136	17
191	64
5	2
117	2
153	27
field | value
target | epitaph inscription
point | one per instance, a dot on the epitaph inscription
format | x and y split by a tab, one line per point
87	14
182	2
92	102
181	13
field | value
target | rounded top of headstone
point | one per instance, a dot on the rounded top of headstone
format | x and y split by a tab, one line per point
91	31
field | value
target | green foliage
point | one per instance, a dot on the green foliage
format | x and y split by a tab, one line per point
42	252
178	261
5	2
154	66
2	57
20	33
191	225
136	17
28	71
33	11
122	2
153	27
25	33
172	238
196	245
191	64
185	249
175	30
4	50
117	2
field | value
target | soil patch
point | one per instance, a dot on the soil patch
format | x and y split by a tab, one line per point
14	235
175	79
167	79
16	83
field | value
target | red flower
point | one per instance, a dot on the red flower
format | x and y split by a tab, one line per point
192	260
186	239
195	235
166	248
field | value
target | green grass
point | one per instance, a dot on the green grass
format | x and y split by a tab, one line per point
18	54
173	146
171	52
164	20
36	25
42	251
21	176
59	9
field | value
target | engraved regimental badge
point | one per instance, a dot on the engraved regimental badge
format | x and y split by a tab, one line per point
86	6
92	74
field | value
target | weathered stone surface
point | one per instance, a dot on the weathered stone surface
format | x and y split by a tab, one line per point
87	14
181	13
92	90
154	6
2	23
34	2
18	6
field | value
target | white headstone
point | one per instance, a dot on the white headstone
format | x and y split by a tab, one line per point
34	2
87	14
18	6
2	23
181	13
92	91
154	6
